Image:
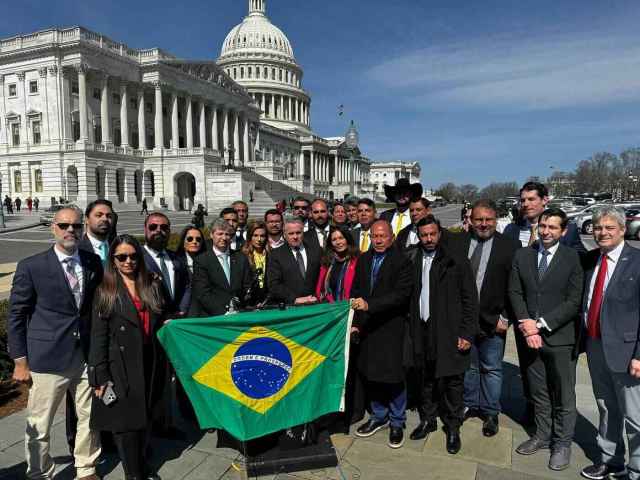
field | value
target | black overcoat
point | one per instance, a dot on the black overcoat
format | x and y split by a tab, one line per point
116	355
382	327
453	303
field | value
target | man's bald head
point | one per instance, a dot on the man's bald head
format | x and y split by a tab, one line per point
381	235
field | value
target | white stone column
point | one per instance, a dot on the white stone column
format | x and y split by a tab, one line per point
263	105
301	168
82	102
158	125
282	107
67	124
214	128
290	101
105	111
142	129
203	126
245	133
312	169
124	115
175	122
225	134
189	122
236	138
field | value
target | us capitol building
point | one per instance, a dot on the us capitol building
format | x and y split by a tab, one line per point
85	117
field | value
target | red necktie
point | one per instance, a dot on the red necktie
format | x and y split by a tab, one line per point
593	317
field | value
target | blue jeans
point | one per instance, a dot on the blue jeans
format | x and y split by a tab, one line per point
389	402
483	381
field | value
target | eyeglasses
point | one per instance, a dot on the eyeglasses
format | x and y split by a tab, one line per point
194	239
154	226
65	226
122	257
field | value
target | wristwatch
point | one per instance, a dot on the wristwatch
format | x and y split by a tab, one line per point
539	325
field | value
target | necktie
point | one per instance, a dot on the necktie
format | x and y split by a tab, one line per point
166	278
542	267
323	238
226	267
375	269
300	261
593	316
398	223
104	253
475	259
364	243
72	278
425	310
534	234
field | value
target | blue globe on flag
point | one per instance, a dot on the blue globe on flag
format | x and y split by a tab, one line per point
261	367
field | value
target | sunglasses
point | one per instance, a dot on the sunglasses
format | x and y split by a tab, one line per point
65	226
154	226
300	207
194	239
122	257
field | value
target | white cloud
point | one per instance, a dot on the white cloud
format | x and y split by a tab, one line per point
554	71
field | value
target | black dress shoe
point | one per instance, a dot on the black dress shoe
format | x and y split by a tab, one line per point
369	428
470	413
490	426
602	471
396	437
453	441
424	429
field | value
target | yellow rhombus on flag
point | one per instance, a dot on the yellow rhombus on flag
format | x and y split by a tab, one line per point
217	372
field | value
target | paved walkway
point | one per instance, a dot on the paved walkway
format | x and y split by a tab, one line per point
480	458
19	221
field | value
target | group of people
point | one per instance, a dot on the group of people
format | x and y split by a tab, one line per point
431	311
32	203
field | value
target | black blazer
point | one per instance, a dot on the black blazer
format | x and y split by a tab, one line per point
44	322
494	295
211	292
284	281
570	239
557	298
311	240
182	285
388	214
355	233
446	237
382	327
117	355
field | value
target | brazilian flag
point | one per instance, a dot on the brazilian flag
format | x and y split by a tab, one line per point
255	373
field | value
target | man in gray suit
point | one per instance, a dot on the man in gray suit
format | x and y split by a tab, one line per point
545	291
611	321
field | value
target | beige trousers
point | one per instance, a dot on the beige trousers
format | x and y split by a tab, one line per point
46	394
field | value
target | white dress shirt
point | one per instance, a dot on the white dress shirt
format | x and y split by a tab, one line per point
406	220
323	234
168	263
275	244
97	244
612	261
220	256
427	262
525	233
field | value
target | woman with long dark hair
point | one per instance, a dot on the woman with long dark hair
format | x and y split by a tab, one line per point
125	358
255	250
192	244
338	266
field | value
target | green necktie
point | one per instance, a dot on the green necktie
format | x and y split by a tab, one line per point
104	253
226	267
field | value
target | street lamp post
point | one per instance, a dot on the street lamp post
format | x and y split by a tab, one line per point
2	225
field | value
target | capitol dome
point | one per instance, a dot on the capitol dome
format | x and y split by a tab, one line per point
259	56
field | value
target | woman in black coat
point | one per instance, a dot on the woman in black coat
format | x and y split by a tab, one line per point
125	355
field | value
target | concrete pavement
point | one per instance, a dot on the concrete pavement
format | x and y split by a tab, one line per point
480	458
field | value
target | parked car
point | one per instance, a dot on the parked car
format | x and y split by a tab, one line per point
633	223
46	217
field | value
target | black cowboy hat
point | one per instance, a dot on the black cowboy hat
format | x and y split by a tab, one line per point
415	189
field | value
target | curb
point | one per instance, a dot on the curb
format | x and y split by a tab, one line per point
23	227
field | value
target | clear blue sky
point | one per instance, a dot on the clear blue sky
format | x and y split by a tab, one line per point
477	91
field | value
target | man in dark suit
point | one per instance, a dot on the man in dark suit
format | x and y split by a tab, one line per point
366	217
318	233
381	291
491	255
293	269
99	228
171	269
49	329
230	216
611	321
534	198
402	194
546	291
408	236
220	275
444	321
301	209
242	209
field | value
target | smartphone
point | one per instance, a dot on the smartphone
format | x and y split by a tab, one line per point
109	395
